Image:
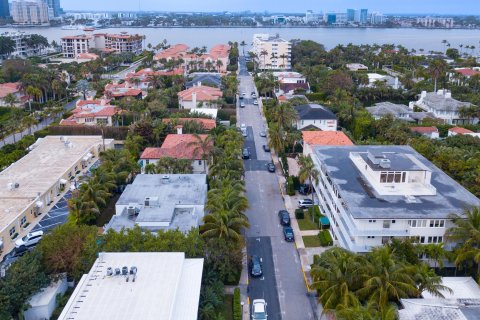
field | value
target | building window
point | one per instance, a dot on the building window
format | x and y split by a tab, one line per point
371	237
23	221
371	221
12	231
393	221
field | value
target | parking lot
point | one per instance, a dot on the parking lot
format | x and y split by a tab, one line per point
57	215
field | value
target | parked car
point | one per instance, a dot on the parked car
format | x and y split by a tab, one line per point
270	167
245	153
254	94
259	309
305	203
263	134
305	189
255	102
243	126
256	266
288	234
30	239
242	104
266	148
284	217
241	97
244	93
244	133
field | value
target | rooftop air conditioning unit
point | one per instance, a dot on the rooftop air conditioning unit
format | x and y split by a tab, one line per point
117	271
124	270
133	270
131	211
147	202
109	271
166	179
384	163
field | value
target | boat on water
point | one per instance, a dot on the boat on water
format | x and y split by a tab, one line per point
73	27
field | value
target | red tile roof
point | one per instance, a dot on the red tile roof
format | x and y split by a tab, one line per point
424	129
467	72
175	146
208	124
102	102
174	51
9	87
91	56
204	93
460	130
326	138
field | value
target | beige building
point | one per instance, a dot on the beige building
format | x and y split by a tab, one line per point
29	12
272	52
30	186
72	46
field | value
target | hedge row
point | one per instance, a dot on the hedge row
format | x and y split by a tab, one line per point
237	306
299	214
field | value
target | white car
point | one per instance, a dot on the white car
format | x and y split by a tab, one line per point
255	102
259	309
30	239
243	126
242	104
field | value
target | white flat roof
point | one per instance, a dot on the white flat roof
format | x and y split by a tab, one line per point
463	288
39	170
166	287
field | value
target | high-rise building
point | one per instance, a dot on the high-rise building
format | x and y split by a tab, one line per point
363	16
30	12
350	15
55	5
4	9
272	52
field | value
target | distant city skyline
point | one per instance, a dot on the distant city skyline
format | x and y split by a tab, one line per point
471	7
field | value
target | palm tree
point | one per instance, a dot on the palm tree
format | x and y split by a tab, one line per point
308	171
284	115
466	233
427	280
28	122
228	196
444	43
263	54
368	312
95	193
150	168
283	57
223	224
436	69
83	86
219	65
335	276
243	44
32	93
202	147
10	99
385	279
277	136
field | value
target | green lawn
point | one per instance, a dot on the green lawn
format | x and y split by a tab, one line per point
311	241
306	223
228	307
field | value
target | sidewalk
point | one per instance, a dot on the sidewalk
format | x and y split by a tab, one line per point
243	285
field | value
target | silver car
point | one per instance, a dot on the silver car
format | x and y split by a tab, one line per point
259	309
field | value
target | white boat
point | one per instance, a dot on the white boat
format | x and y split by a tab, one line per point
73	27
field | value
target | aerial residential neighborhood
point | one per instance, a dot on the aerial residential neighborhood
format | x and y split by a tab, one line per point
311	162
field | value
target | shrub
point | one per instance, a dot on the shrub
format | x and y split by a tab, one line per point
296	182
290	186
237	307
41	133
233	120
283	160
299	214
325	238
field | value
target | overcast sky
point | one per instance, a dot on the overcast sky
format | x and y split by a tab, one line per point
385	6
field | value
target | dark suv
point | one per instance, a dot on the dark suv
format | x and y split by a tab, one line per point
284	217
256	266
305	189
288	234
245	153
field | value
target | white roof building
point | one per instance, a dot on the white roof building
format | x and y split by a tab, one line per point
139	285
463	303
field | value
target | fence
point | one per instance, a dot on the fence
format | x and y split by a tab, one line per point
117	133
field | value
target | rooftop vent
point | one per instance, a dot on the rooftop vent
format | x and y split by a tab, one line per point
384	163
375	157
109	271
124	270
166	179
13	185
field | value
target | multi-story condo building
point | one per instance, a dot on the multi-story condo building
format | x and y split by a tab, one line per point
444	107
435	22
75	45
55	6
272	52
372	194
22	48
29	12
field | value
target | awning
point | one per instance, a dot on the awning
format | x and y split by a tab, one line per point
39	204
63	181
85	158
324	221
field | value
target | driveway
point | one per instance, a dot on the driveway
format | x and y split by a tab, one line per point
282	285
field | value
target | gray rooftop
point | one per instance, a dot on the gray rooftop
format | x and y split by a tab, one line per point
440	102
364	203
176	201
398	162
314	111
386	108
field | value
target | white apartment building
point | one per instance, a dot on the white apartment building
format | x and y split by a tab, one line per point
435	22
443	106
72	46
21	48
29	12
372	194
272	52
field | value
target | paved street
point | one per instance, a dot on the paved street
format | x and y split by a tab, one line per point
41	125
285	293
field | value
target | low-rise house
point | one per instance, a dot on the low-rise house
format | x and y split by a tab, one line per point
382	109
323	138
315	116
92	112
443	106
179	146
389	81
161	202
138	285
11	88
143	79
122	90
290	82
356	67
431	132
199	96
212	113
207	124
462	131
372	194
462	303
208	79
